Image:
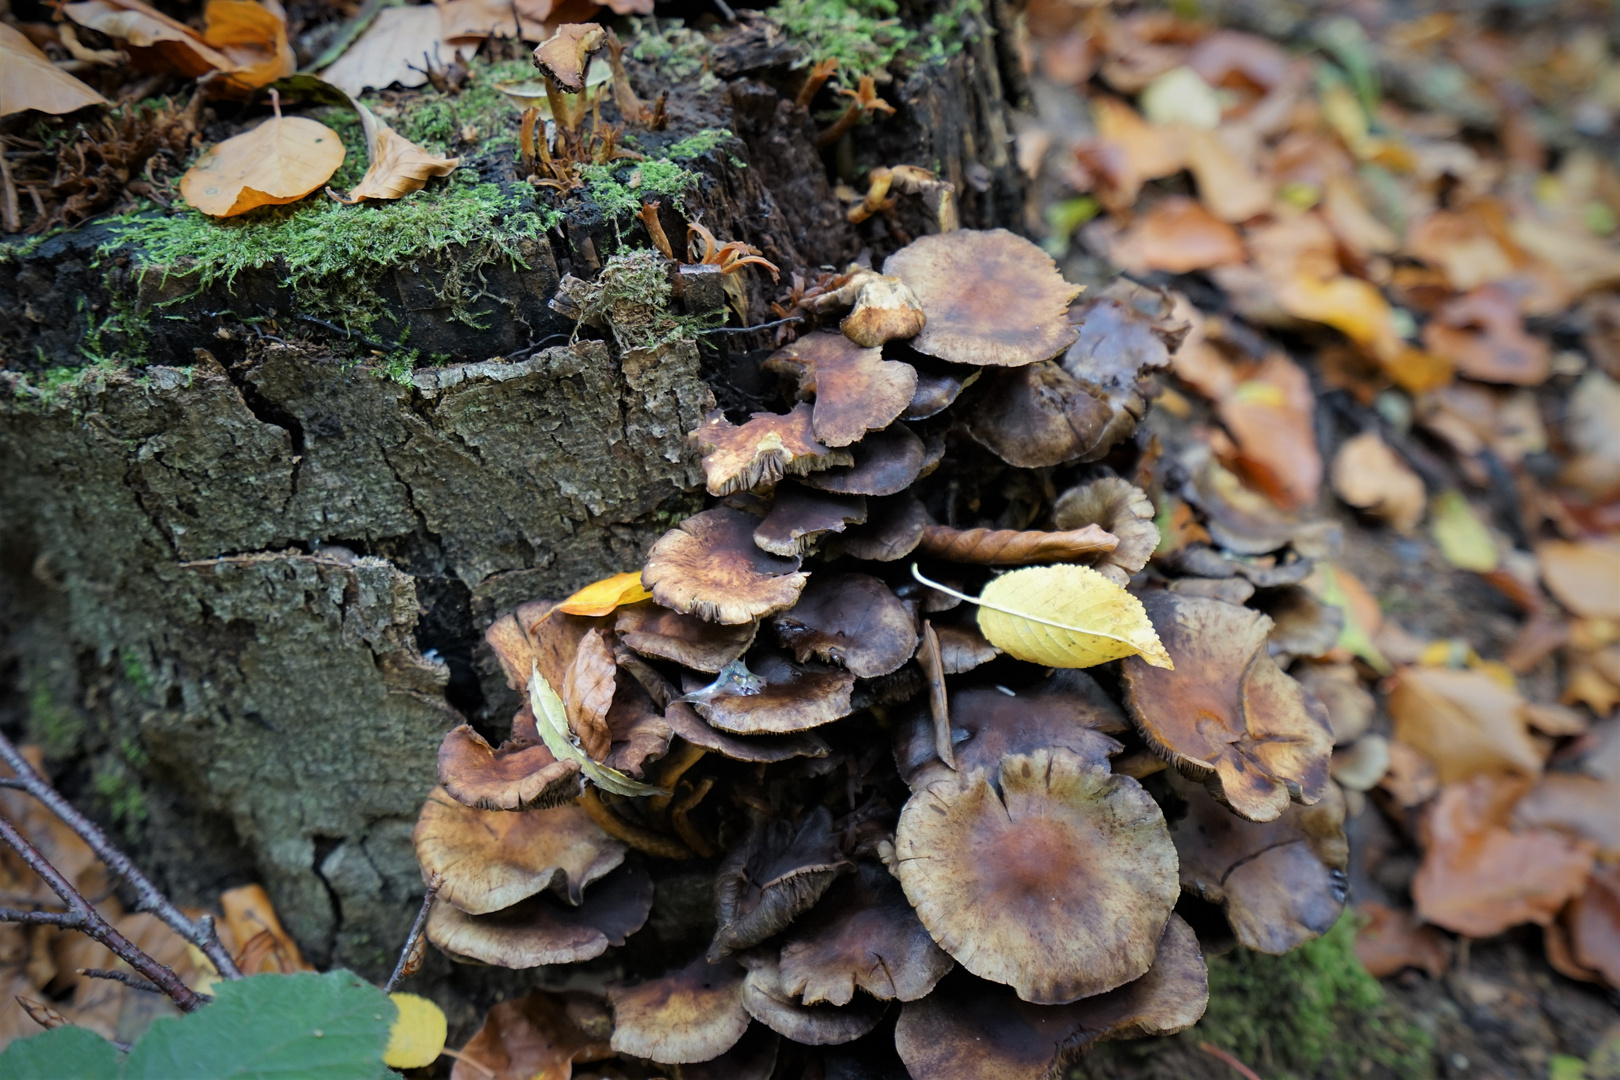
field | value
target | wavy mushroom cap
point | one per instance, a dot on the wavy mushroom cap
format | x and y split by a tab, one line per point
1121	508
492	859
663	634
862	934
636	728
774	876
1302	624
1037	416
801	516
968	1030
809	1025
541	930
1227	710
684	721
852	620
1239	518
1126	333
710	567
778	697
885	463
990	298
885	310
520	774
1058	885
534	1035
894	527
692	1014
855	389
566	54
761	452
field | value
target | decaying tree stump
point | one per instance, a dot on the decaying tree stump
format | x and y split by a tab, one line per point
245	577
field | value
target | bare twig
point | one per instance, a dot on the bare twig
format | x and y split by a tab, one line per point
134	982
415	935
91	922
64	919
199	932
1221	1055
750	329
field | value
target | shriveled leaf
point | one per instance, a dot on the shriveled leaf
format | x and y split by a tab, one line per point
552	721
280	161
399	167
254	38
601	597
28	79
417	1038
1584	576
587	693
1368	475
1063	616
1014	547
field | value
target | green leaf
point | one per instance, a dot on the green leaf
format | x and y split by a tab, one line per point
552	722
59	1052
272	1027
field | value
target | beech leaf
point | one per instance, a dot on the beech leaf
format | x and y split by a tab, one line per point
398	167
28	80
552	721
1063	616
1014	547
587	693
280	161
601	597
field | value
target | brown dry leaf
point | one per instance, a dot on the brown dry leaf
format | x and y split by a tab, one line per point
1368	475
1410	778
1464	721
1594	437
1582	806
1227	185
471	21
1177	235
392	51
1478	878
248	915
540	1035
153	38
587	693
1483	335
1584	576
1129	151
280	161
1355	226
398	166
28	80
1391	939
253	37
1594	925
1272	416
1012	547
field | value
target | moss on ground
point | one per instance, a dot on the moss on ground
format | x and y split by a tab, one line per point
865	36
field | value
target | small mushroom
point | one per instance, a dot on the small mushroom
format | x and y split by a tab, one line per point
538	634
852	620
1058	885
1281	883
684	721
1350	707
810	1025
520	774
894	527
692	1014
753	1058
762	451
709	566
885	463
1037	416
1121	508
490	860
663	634
855	389
938	384
885	310
774	876
564	56
779	698
1227	713
541	930
990	298
801	516
862	934
534	1035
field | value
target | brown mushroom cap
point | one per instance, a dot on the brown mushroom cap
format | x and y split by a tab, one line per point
770	879
810	1025
762	451
1302	624
800	517
565	55
862	934
658	632
1036	416
855	389
962	648
1125	334
990	297
1123	509
1240	519
520	774
525	1037
885	463
894	527
885	310
970	1030
684	720
1059	885
793	698
753	1058
852	620
1281	883
1227	710
492	859
709	566
541	930
694	1013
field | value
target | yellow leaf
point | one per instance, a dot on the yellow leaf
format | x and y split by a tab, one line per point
398	167
417	1038
28	79
601	597
1460	535
1063	616
280	161
551	719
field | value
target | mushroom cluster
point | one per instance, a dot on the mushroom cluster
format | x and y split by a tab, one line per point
913	834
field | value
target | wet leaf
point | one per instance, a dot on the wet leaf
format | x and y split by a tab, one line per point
417	1038
253	38
252	925
280	161
552	721
28	79
601	597
1177	235
1063	616
399	167
1272	416
1391	939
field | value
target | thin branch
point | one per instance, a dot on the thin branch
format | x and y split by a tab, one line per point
1221	1055
65	919
147	897
134	982
415	935
750	329
97	927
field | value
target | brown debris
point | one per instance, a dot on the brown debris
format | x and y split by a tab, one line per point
709	566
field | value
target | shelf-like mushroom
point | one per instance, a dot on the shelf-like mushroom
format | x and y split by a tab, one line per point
759	453
1227	711
542	930
774	876
852	620
1058	884
520	774
801	516
989	297
767	1001
663	634
684	721
691	1014
884	463
854	388
1124	510
709	566
776	697
894	527
1037	416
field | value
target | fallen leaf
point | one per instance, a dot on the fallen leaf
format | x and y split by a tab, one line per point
253	38
535	1037
1368	475
587	694
250	918
394	49
1129	151
601	597
1460	535
1464	721
1391	939
1181	96
1583	576
398	166
1062	616
280	161
1483	336
153	38
1477	877
1012	547
1176	234
1585	262
1272	417
1594	925
417	1038
1227	184
1594	437
471	21
1410	778
1355	226
1579	805
28	79
551	718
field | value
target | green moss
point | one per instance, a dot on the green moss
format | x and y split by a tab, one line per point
864	36
679	55
120	792
135	672
632	293
57	731
621	187
699	144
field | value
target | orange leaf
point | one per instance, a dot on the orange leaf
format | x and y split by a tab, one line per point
280	161
1272	416
28	80
601	597
248	913
398	166
153	37
253	37
1464	721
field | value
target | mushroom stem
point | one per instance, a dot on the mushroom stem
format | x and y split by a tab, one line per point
865	100
672	768
877	196
655	229
683	827
641	839
815	80
631	107
1221	1055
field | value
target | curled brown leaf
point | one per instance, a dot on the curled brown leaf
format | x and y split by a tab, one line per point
1014	547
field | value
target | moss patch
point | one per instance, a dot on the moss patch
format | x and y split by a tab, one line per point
632	293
